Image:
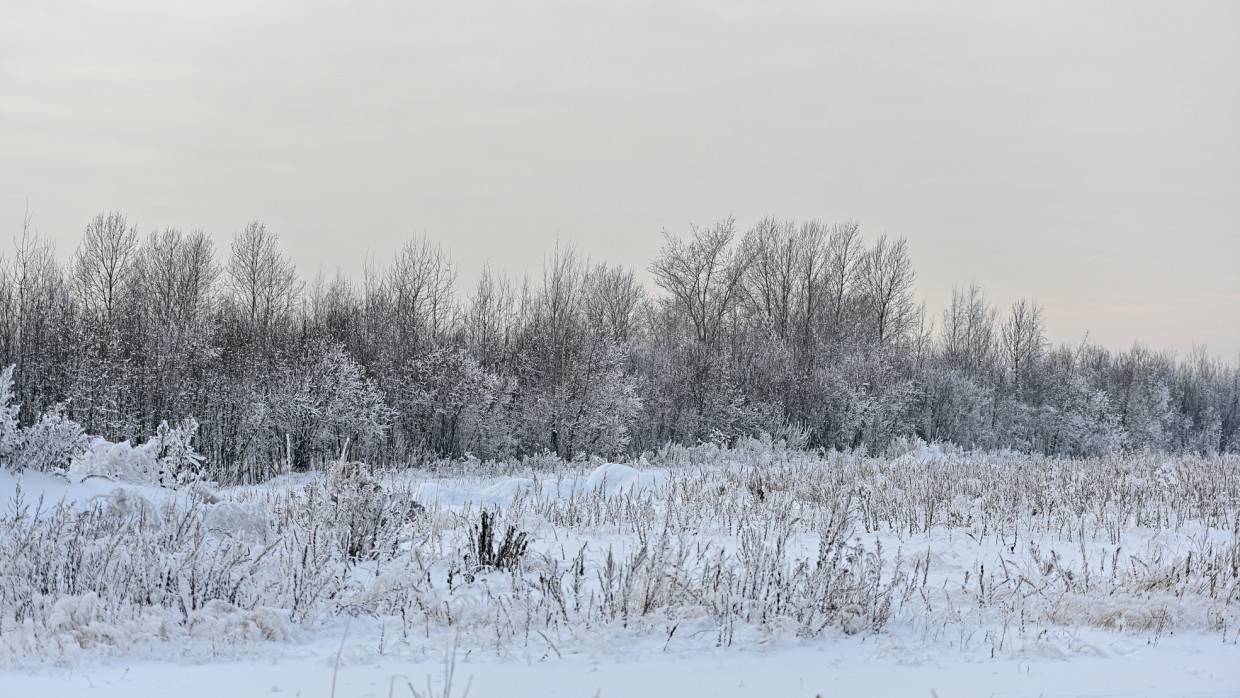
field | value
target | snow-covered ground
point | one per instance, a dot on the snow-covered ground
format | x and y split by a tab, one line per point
747	573
1114	666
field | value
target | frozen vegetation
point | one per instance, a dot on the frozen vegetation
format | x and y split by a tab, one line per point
803	329
926	557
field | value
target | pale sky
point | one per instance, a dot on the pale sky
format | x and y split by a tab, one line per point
1084	154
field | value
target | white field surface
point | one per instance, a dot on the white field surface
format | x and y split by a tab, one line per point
1116	666
756	572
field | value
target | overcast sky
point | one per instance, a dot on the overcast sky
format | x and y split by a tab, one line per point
1084	154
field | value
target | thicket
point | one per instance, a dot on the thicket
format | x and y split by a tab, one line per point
805	331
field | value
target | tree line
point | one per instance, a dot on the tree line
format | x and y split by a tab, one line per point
805	331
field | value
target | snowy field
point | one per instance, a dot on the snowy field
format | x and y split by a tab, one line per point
752	572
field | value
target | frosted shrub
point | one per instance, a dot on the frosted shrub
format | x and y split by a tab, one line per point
117	461
178	461
324	400
458	406
167	459
363	514
51	443
10	432
244	521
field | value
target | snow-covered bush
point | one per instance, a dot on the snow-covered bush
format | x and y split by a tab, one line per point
166	459
1081	421
589	411
47	445
10	429
177	460
52	443
364	515
244	521
117	461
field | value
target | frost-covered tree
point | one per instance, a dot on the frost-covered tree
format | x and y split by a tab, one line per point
454	406
1023	340
958	409
175	274
103	265
323	401
969	332
886	279
1079	419
702	276
261	283
590	410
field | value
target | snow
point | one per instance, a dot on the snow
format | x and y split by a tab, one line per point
1182	666
608	479
614	478
74	489
1097	612
167	458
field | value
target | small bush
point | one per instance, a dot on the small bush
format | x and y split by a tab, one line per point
487	553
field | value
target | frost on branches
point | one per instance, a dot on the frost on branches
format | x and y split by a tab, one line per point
57	443
324	402
49	444
167	459
786	327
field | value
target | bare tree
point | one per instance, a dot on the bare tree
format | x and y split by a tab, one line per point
176	273
489	319
1023	339
37	304
556	315
703	275
261	281
843	255
103	263
420	284
612	297
886	275
969	340
774	257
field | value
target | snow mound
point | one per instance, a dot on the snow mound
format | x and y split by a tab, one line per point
220	619
510	489
168	458
73	490
616	478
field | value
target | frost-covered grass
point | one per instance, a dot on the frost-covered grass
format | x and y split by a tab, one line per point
988	554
